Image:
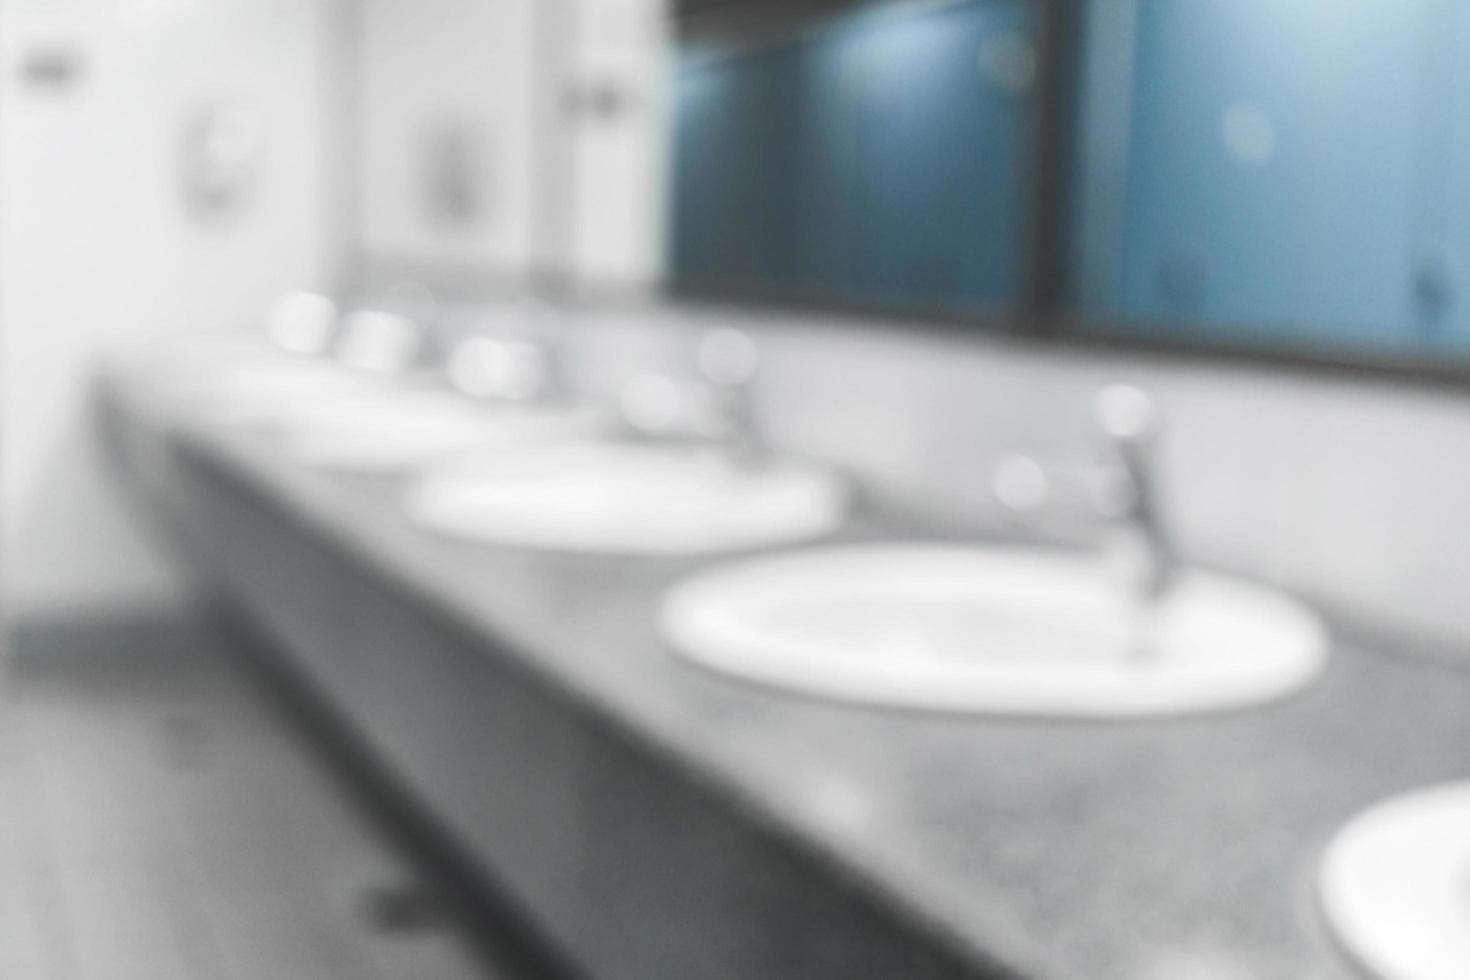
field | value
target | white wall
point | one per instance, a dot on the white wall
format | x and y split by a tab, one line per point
619	161
556	190
96	246
426	65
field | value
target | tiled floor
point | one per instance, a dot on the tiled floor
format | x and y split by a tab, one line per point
160	820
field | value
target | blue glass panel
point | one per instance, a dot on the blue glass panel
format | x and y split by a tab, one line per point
911	155
1450	323
831	180
1275	166
734	192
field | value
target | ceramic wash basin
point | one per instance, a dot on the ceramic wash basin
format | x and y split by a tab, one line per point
630	498
1007	630
403	429
264	389
1395	886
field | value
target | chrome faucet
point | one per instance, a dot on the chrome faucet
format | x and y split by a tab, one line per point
1130	426
715	407
520	362
493	368
727	361
1121	488
390	335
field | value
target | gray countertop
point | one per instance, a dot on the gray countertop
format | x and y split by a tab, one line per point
1176	850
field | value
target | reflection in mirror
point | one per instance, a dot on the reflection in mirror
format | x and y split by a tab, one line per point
1290	178
1286	174
875	158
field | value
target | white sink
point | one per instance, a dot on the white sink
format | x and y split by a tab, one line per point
1395	886
406	429
265	389
629	498
1006	630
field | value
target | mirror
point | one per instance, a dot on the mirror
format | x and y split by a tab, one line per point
1279	177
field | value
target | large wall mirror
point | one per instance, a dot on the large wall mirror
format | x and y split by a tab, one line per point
875	157
1286	177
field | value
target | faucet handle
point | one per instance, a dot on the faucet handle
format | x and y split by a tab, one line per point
727	360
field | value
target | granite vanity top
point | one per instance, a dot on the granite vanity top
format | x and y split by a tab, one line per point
1158	850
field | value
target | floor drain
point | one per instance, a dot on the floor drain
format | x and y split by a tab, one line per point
399	909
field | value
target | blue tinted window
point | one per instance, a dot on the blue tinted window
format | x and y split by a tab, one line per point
1277	169
735	170
911	154
1445	279
1286	173
877	159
